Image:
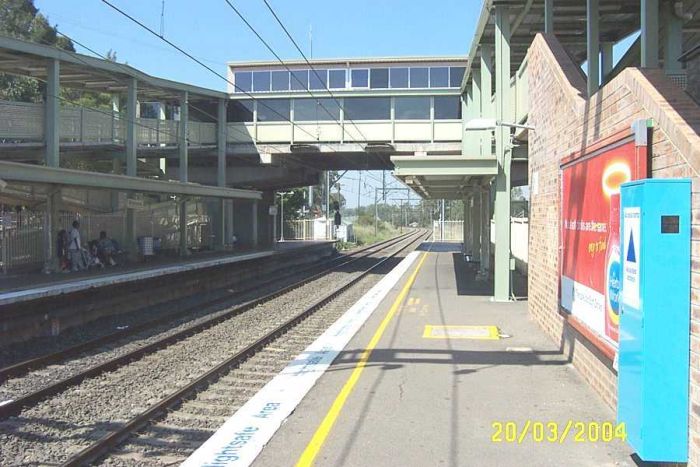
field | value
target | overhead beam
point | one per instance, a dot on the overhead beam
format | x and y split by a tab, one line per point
30	173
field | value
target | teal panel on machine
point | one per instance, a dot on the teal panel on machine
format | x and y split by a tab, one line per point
653	359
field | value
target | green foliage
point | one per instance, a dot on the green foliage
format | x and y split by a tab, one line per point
21	19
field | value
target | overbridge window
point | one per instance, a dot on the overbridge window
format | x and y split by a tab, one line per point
419	77
299	80
379	78
243	81
261	81
239	111
336	79
439	77
448	108
367	108
273	110
312	110
412	108
359	78
280	81
399	78
456	75
318	79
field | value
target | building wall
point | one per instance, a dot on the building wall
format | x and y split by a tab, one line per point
566	122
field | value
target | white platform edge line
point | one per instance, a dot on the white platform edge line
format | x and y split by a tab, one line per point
243	436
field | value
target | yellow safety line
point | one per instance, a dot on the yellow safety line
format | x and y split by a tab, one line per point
324	429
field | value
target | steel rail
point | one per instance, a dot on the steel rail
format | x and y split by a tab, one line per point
111	440
14	407
22	367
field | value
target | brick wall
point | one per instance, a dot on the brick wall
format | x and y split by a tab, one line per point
567	122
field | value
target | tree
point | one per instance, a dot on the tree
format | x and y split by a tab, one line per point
21	19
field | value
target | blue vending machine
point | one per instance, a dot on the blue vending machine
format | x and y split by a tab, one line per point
653	357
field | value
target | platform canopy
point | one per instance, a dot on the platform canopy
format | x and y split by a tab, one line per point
78	71
444	177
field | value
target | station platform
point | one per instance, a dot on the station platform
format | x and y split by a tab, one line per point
28	287
402	393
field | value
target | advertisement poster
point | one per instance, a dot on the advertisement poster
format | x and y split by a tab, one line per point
591	269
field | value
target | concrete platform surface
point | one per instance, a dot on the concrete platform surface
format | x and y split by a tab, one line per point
434	401
27	287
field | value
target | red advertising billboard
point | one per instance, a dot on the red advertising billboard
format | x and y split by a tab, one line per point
590	223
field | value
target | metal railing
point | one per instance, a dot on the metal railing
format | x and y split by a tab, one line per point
24	122
308	229
21	241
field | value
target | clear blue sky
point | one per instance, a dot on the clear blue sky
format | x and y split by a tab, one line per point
211	31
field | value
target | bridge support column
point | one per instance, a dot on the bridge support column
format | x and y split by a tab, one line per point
606	55
476	224
592	46
220	232
485	260
184	251
486	87
52	128
131	161
673	40
53	197
650	33
183	168
254	224
502	255
53	110
549	16
466	239
475	137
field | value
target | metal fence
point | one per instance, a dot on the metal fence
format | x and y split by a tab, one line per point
22	234
21	241
308	229
448	231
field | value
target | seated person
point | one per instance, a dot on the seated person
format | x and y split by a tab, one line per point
106	249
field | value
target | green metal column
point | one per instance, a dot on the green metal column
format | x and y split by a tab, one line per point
485	231
476	223
53	110
606	54
51	158
467	114
476	136
549	16
182	137
254	224
650	33
592	46
183	166
487	110
501	289
131	150
466	239
673	39
220	233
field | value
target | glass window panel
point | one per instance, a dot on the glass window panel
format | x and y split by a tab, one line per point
399	78
261	81
312	110
280	81
439	77
456	75
240	111
273	110
336	79
367	108
318	82
419	77
379	78
299	80
447	107
359	78
412	108
243	81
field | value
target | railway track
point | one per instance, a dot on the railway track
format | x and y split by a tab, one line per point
105	404
226	295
